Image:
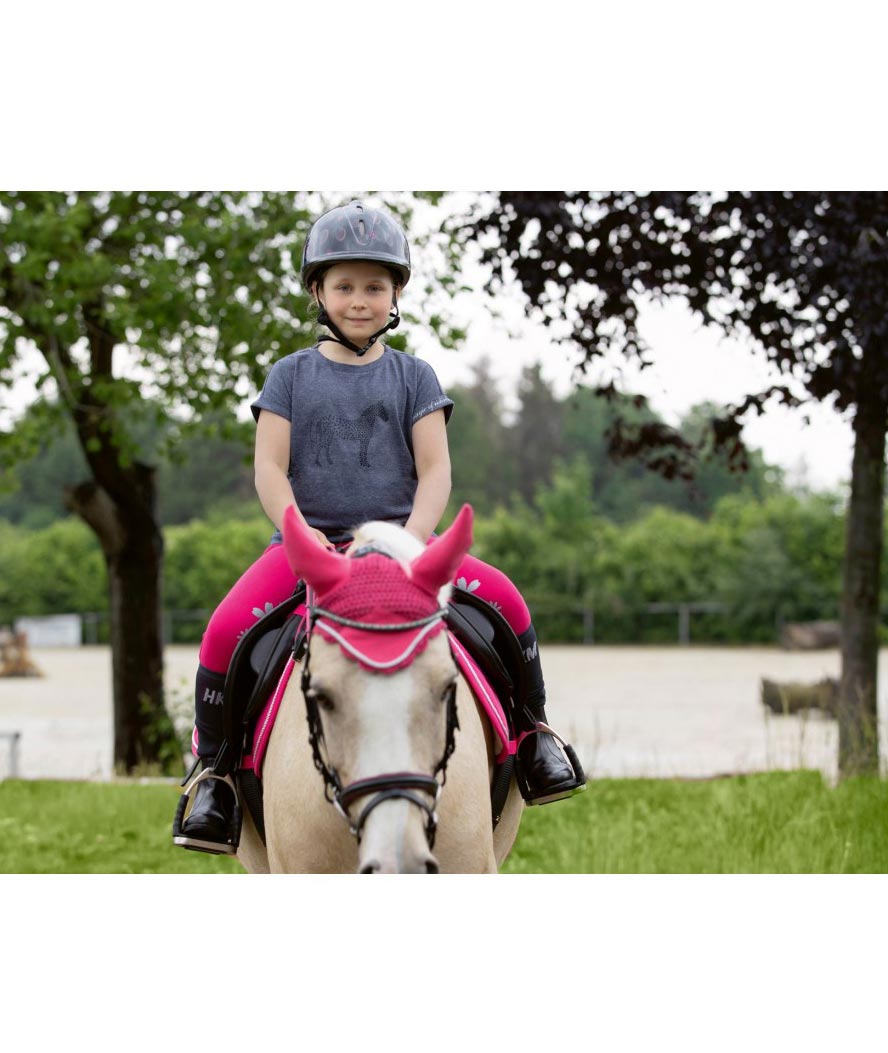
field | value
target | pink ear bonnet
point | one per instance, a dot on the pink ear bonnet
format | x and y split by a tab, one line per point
380	613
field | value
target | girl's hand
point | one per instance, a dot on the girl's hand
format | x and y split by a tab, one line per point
322	537
417	534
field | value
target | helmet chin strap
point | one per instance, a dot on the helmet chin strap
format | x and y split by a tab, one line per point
340	338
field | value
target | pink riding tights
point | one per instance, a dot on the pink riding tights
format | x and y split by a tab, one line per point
269	581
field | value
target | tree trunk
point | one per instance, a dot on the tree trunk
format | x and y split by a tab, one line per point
133	548
858	722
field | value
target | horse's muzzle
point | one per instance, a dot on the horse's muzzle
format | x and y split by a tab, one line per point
424	865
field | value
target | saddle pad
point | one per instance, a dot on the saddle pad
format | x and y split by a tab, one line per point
477	681
486	697
266	721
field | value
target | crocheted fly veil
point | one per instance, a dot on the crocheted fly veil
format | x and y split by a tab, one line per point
380	613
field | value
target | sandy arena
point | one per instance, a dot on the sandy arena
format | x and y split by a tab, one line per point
630	711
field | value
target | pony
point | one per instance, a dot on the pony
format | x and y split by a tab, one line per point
380	760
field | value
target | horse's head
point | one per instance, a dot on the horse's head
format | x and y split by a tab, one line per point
379	680
373	411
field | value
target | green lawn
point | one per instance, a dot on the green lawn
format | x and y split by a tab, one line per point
775	823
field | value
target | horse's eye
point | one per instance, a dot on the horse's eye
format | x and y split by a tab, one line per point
323	701
448	690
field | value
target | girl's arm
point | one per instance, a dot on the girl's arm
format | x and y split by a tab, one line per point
432	458
271	462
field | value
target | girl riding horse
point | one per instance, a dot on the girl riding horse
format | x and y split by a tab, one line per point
356	262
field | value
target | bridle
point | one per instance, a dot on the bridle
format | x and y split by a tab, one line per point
384	787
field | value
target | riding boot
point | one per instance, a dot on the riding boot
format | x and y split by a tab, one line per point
208	712
545	773
212	823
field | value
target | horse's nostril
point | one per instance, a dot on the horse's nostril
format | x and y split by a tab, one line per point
432	867
370	868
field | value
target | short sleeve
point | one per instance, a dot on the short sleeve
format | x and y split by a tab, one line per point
429	394
277	392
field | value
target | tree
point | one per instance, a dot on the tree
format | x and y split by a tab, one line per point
483	468
801	276
32	492
170	303
713	478
535	436
152	312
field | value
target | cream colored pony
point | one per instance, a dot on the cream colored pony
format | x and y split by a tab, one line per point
375	724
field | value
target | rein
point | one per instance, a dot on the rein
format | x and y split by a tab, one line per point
388	786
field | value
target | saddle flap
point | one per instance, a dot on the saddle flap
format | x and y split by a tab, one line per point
249	677
474	624
262	651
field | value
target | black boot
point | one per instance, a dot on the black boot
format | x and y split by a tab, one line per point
213	824
544	772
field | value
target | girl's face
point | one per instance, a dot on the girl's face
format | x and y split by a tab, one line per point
358	297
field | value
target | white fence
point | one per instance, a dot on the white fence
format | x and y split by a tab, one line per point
54	630
73	630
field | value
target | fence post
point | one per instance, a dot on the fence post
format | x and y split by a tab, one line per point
13	738
588	625
684	623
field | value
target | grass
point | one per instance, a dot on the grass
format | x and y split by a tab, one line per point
780	822
95	828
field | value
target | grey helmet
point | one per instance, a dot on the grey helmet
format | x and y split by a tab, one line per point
355	232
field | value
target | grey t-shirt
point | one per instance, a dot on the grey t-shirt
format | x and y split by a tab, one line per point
351	448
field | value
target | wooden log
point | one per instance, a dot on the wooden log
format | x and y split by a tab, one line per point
14	657
810	636
792	697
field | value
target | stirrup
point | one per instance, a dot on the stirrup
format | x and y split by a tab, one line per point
566	788
195	844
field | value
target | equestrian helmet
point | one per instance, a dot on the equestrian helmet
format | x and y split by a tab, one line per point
355	232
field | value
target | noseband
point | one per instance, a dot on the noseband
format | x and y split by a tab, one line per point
383	787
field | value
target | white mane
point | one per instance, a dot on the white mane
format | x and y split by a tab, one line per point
393	540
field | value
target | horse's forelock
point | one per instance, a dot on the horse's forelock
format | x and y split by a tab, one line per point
393	540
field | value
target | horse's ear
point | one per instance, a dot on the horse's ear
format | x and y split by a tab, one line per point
322	568
440	561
